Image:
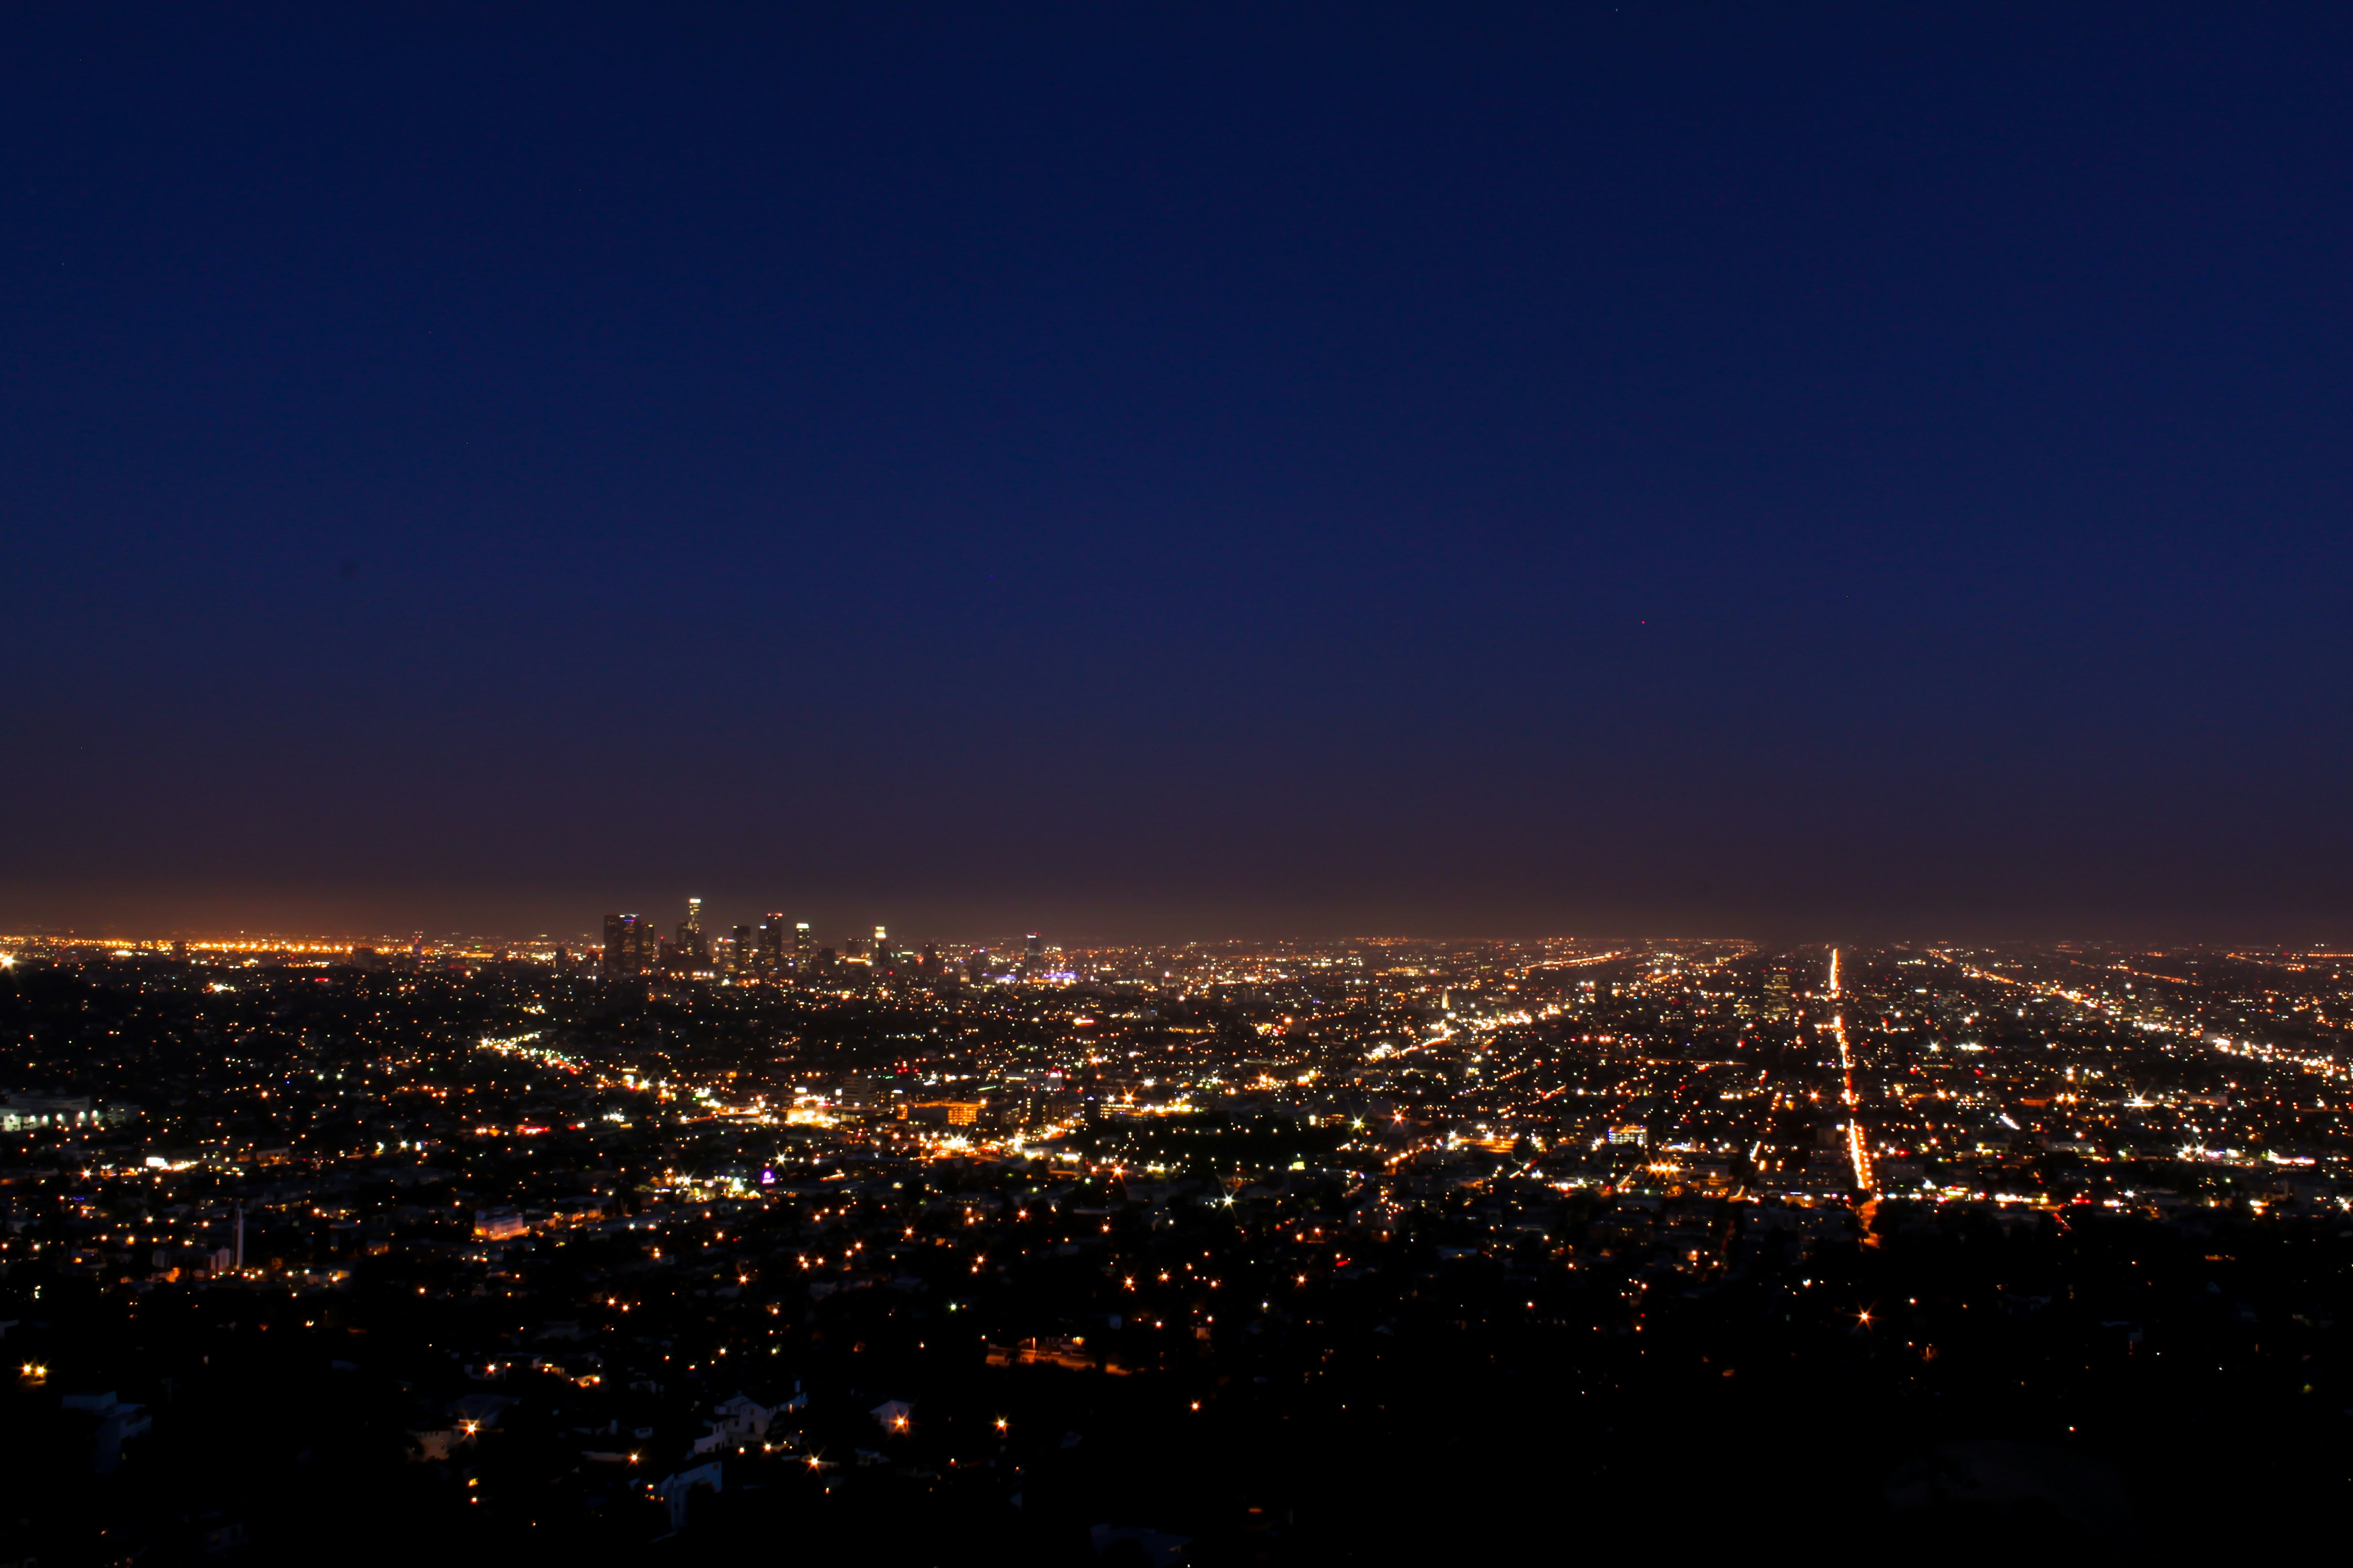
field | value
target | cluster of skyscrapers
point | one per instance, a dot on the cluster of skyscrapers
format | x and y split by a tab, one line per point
634	945
771	950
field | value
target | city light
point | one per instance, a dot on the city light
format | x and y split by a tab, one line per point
794	1175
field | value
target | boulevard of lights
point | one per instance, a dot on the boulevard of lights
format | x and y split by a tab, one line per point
600	1243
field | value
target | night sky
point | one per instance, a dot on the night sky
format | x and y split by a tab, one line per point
1179	470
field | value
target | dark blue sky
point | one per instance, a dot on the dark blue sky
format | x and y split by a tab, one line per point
1180	469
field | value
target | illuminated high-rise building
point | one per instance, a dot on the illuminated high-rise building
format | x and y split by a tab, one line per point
740	951
630	945
881	945
1034	953
803	945
692	949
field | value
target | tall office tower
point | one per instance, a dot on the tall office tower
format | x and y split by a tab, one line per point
740	953
882	944
1034	953
628	945
772	944
804	947
692	949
